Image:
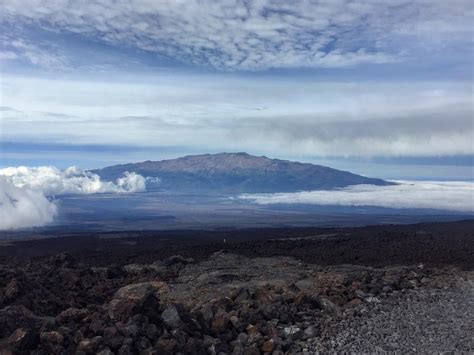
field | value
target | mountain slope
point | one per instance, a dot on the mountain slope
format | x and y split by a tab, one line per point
238	173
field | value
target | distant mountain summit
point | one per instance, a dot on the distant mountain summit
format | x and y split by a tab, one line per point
238	173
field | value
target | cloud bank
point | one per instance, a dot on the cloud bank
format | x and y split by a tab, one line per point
27	194
275	117
449	196
53	181
23	207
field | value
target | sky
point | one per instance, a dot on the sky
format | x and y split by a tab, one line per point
381	88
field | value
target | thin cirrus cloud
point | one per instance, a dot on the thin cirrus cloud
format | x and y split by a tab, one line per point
448	196
253	35
27	194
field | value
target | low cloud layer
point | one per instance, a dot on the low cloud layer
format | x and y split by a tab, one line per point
26	194
53	181
23	207
449	196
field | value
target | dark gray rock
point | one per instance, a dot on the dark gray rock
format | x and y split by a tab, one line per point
171	317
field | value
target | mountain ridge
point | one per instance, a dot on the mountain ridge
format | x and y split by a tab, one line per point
239	173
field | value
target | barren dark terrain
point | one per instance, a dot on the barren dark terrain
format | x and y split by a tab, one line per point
404	288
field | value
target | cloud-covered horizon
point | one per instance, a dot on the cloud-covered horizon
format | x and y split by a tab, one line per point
280	118
27	195
447	196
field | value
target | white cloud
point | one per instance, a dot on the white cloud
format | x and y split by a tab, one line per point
25	193
52	181
23	207
277	117
7	55
43	56
449	196
254	35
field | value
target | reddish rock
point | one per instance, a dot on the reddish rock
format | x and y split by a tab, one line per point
71	315
268	346
220	323
52	338
355	302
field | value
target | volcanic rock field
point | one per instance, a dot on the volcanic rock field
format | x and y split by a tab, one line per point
374	289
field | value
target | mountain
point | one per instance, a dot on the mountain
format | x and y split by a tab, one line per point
238	173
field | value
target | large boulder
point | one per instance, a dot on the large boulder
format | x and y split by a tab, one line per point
21	340
14	317
137	298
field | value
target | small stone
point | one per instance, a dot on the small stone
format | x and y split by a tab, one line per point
220	323
207	313
71	315
241	294
425	280
252	350
242	338
293	332
22	339
96	326
125	350
372	299
89	345
261	295
11	290
327	305
149	351
171	317
52	338
234	320
310	332
355	302
252	330
106	351
165	345
268	346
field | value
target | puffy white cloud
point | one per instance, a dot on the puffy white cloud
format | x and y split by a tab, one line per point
449	196
53	181
26	193
23	207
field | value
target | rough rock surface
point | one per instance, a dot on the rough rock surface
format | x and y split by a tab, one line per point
232	304
426	320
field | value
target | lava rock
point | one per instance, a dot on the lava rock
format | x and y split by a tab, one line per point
22	339
171	317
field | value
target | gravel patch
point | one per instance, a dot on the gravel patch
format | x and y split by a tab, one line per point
426	320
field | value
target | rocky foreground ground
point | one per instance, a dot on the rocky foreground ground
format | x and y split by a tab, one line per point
228	302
